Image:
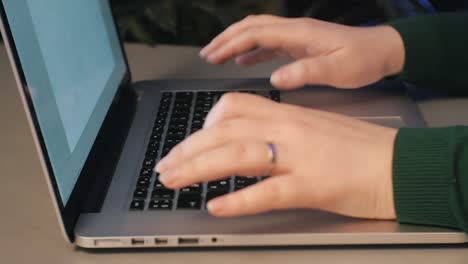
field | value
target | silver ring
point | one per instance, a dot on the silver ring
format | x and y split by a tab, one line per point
272	158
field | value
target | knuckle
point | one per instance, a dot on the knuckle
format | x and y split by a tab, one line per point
252	33
224	127
229	102
241	150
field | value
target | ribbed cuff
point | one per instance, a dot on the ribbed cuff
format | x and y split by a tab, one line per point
424	181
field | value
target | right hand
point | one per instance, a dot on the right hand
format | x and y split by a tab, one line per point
325	53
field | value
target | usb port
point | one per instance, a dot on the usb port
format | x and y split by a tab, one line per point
138	241
188	241
160	241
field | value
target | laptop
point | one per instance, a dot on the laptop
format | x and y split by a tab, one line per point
98	136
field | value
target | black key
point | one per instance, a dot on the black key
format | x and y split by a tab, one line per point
184	95
137	205
146	172
189	201
194	188
180	119
140	193
198	116
149	162
204	94
175	134
197	122
164	104
243	182
165	99
181	111
174	138
179	116
179	126
153	145
160	205
152	153
158	184
160	121
176	129
167	95
162	193
143	182
219	185
165	152
163	114
203	104
182	105
213	194
182	124
156	137
275	96
172	141
158	129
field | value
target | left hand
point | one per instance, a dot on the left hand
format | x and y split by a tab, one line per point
325	161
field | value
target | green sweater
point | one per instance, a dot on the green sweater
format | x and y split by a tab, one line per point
430	166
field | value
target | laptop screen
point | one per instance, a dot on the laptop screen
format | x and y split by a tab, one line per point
73	65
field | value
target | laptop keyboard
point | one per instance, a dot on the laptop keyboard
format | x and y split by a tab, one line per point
181	114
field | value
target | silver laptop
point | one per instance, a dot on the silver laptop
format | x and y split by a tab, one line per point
98	136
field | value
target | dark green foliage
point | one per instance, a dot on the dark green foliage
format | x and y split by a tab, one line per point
197	22
183	22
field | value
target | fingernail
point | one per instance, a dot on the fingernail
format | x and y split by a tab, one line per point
278	77
166	178
161	166
211	58
203	52
216	206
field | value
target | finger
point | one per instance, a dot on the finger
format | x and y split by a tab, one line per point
257	56
318	70
246	157
270	194
234	105
268	36
204	140
237	28
214	137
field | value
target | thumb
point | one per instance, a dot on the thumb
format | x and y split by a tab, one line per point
318	70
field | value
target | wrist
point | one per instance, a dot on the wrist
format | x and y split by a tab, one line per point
393	51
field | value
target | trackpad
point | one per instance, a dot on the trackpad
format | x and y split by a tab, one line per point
388	121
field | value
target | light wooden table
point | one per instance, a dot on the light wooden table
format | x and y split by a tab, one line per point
29	231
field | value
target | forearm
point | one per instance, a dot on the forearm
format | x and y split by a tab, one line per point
435	53
430	176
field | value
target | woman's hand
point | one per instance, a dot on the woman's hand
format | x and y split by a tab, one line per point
324	160
325	53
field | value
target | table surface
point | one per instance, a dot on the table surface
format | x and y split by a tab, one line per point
28	227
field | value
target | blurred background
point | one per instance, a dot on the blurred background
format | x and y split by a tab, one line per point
197	22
